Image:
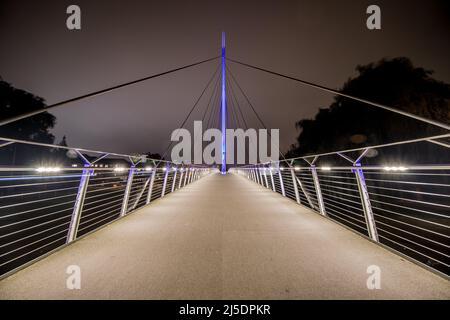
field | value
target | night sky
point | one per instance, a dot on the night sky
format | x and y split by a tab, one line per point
319	41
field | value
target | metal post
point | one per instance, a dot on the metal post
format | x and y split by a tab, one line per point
224	110
185	177
181	178
283	192
318	191
271	179
189	176
150	188
78	207
163	192
294	183
174	179
257	175
265	178
365	201
140	194
126	196
260	177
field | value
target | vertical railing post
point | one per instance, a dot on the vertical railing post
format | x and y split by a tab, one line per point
181	177
186	176
280	176
191	175
150	188
126	196
294	183
318	190
272	180
195	175
365	202
265	177
174	179
260	176
78	206
166	174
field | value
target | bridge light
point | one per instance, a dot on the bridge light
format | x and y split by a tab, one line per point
297	168
148	168
164	169
325	168
119	169
401	168
48	169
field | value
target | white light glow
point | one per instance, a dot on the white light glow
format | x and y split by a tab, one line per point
400	168
48	169
325	168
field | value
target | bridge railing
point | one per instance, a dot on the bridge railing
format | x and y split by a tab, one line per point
45	205
405	208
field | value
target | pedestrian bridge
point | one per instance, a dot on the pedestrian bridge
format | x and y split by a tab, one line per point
224	237
369	222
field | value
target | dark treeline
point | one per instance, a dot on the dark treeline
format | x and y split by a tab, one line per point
37	128
348	124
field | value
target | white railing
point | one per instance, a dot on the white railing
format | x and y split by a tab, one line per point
44	207
405	208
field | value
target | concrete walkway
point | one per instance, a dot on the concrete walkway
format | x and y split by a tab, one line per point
224	237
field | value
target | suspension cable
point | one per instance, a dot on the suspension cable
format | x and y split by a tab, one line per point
190	112
320	87
97	93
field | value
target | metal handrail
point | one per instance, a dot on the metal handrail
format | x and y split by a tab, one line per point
403	208
43	210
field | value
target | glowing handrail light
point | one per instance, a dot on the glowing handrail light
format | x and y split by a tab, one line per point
401	168
48	169
325	168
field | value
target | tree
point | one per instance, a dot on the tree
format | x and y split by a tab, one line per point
15	102
351	124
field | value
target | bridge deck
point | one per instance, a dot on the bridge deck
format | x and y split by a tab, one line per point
224	237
